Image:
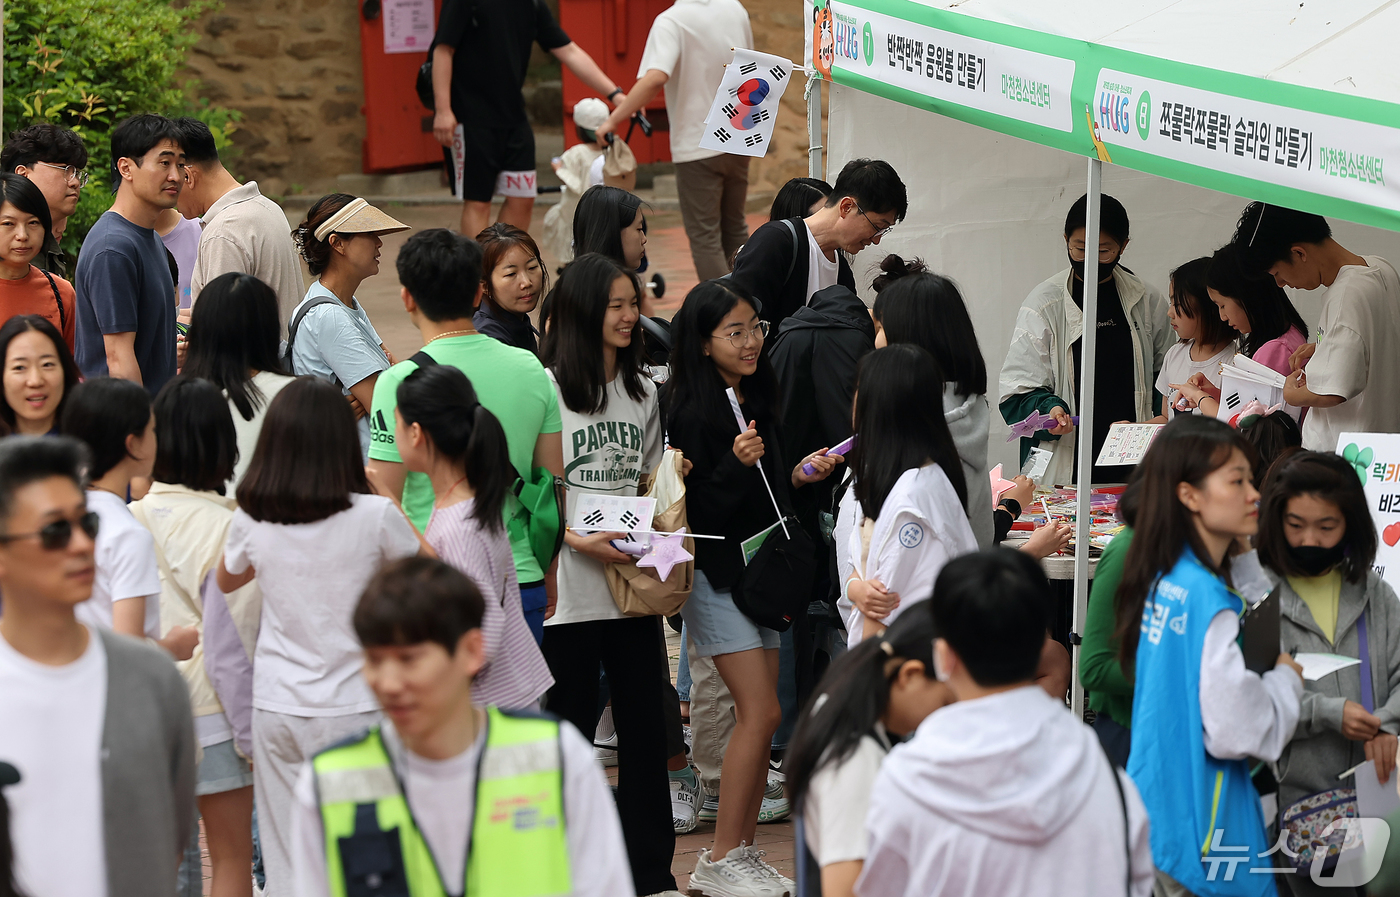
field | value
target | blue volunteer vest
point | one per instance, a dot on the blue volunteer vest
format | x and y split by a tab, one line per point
1204	811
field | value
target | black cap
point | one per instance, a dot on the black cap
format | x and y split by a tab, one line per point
8	774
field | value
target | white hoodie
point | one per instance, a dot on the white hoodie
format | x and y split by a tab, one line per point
1007	794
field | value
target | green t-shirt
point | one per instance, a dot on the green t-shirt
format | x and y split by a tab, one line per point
510	382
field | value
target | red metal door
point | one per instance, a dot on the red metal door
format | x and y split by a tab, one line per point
614	32
398	130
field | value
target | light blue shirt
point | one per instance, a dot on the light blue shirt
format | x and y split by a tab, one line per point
337	342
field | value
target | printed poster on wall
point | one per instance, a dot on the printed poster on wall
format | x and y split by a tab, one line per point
1376	459
408	26
745	107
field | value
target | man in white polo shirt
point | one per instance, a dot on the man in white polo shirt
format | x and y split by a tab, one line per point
686	52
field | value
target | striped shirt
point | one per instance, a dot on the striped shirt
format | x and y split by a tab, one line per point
516	675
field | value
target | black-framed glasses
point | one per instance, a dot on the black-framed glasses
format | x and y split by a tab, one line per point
70	172
56	536
879	231
739	338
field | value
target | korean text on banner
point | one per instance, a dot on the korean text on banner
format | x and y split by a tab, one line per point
745	107
1376	460
408	26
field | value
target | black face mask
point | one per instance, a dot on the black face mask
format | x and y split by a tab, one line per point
1105	268
1314	560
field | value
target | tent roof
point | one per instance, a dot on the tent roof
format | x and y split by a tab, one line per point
1345	46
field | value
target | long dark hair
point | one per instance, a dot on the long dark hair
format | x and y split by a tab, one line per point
899	426
71	375
573	346
1271	313
496	241
852	697
1190	299
602	214
796	198
234	329
928	311
696	384
307	462
1327	477
441	400
1187	450
196	445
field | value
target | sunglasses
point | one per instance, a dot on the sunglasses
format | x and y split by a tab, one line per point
58	534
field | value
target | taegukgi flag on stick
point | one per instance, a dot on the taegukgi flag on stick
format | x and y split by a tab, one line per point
745	109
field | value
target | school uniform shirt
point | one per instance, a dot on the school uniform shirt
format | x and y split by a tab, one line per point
921	527
337	342
125	555
607	453
1357	357
441	795
1178	366
838	799
307	661
53	735
515	675
267	385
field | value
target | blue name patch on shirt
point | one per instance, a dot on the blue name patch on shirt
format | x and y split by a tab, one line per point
910	535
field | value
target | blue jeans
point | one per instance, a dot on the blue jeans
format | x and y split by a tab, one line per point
533	601
787	690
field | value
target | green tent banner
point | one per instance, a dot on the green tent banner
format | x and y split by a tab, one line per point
1310	149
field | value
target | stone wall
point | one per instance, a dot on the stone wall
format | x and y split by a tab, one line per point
292	67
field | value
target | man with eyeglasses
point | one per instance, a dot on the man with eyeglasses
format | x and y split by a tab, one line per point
97	724
1041	371
786	262
54	159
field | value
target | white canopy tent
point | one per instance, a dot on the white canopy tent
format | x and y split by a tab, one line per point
990	184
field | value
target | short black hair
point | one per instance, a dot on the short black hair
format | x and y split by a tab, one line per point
29	459
137	135
441	271
196	444
197	141
992	607
102	412
1113	218
43	142
415	600
39	324
874	185
1266	234
796	198
1274	436
1330	478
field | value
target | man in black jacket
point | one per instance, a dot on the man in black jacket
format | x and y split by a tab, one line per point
786	262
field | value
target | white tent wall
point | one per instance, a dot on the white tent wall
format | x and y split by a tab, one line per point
988	211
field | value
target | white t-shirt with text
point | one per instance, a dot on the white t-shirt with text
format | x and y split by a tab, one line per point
1178	366
307	660
53	717
126	565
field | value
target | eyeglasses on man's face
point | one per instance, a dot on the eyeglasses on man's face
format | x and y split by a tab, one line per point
70	172
56	535
739	337
880	230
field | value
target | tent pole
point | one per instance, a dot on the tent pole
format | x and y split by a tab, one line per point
1084	433
814	127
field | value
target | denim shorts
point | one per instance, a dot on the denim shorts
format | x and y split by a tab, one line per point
222	770
715	626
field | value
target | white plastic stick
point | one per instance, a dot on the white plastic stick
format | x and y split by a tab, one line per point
743	428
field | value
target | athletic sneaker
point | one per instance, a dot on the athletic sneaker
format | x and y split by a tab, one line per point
684	798
709	808
605	739
685	733
737	874
775	803
756	858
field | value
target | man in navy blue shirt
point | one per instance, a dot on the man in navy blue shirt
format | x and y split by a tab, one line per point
126	295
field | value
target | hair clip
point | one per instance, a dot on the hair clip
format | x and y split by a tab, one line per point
1262	207
887	648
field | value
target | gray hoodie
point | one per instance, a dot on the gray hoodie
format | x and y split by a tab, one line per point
1318	752
968	418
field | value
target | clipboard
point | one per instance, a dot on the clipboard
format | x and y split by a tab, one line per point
1260	640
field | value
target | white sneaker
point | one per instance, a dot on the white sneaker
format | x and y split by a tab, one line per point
737	874
774	807
756	858
684	807
605	739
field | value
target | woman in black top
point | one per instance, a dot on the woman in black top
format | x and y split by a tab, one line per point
718	341
513	278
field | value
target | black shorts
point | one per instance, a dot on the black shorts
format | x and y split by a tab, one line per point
487	153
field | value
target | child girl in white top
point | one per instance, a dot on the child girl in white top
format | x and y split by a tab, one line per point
906	507
1207	341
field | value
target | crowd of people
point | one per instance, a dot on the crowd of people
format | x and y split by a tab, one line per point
257	571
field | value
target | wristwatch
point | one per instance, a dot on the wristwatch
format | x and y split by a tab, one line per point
616	91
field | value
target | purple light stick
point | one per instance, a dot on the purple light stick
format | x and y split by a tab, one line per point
840	449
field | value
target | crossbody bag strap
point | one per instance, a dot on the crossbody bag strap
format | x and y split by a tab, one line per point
1367	697
796	248
58	300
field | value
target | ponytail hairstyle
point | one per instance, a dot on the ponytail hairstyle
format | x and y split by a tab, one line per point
440	399
900	425
853	696
894	267
317	253
573	345
1187	450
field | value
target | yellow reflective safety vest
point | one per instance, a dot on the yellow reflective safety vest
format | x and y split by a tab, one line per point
517	847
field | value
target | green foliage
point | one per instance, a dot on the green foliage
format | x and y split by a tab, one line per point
88	64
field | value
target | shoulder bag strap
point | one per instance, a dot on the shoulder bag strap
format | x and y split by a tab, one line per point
1367	698
293	327
422	358
796	247
58	300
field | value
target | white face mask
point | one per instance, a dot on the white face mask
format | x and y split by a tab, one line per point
940	669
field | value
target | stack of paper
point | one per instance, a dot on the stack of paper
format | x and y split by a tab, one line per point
1244	380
